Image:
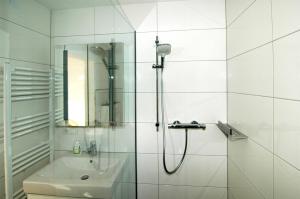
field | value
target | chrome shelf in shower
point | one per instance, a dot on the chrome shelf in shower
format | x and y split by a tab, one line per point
231	132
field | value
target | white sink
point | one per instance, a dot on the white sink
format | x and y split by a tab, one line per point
66	177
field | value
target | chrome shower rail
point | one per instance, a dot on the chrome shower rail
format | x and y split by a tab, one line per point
231	132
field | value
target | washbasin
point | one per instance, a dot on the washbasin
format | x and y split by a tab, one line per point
77	176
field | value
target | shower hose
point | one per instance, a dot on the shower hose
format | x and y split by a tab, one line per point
169	172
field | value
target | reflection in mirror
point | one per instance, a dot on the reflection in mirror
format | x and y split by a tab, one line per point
90	84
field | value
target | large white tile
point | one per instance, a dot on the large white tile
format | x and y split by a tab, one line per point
195	171
235	7
255	165
198	76
287	71
200	142
145	47
104	26
147	168
147	191
286	180
195	44
252	72
239	186
251	30
286	131
284	14
73	22
28	13
141	15
189	192
24	44
185	107
146	138
253	116
191	14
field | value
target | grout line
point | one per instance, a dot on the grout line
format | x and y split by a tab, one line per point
182	30
26	61
25	27
200	60
239	15
262	45
177	154
249	50
264	96
182	185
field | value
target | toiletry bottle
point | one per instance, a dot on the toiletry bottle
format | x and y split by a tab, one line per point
76	148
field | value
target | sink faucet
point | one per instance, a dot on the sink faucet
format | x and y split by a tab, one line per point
92	149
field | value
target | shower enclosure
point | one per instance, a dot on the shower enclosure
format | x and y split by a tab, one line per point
53	50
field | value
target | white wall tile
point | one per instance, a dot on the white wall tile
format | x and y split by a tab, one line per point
145	47
147	191
146	138
147	168
141	15
286	131
195	171
239	185
185	107
252	73
73	22
198	76
286	71
200	142
28	13
253	116
235	7
25	44
194	14
189	192
252	29
286	180
195	44
284	14
255	163
104	20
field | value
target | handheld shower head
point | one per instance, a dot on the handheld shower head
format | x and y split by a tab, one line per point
163	49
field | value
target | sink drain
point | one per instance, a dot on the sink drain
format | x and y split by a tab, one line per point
84	177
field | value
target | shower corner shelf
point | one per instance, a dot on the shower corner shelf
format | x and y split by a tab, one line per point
230	132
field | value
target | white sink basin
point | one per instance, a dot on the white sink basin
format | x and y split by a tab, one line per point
66	177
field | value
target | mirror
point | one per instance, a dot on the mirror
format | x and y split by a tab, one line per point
90	83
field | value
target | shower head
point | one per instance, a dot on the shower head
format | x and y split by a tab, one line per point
163	49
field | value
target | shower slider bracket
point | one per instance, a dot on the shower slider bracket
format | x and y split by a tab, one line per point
157	66
192	125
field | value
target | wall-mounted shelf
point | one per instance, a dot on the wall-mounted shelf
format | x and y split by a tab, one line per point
231	132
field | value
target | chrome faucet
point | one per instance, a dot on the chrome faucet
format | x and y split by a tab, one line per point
92	149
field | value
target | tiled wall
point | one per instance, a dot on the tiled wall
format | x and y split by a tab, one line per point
195	89
263	101
100	24
24	42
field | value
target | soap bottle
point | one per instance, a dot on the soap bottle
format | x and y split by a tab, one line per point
76	148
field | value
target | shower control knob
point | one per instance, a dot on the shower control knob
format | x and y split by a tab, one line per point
176	122
194	122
